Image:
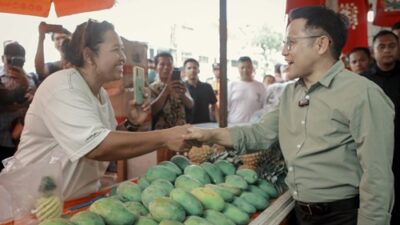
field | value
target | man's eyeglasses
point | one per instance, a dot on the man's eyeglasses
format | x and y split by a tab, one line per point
290	41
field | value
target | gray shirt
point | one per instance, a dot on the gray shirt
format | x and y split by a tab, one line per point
338	146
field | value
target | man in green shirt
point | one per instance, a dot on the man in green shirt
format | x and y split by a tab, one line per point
335	128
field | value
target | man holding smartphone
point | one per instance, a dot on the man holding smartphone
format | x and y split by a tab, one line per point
17	89
170	99
58	36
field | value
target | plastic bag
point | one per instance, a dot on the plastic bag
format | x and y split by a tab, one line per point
35	190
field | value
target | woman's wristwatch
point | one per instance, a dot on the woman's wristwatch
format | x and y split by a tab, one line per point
131	126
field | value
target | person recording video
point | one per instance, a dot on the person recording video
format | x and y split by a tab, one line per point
58	36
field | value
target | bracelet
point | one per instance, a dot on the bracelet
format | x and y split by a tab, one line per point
131	126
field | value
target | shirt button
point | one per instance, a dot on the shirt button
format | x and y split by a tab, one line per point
307	97
290	169
298	146
295	193
303	122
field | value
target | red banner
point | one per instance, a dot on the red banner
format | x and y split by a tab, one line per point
356	12
292	4
387	12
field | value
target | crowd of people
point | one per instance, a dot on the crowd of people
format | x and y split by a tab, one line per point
338	129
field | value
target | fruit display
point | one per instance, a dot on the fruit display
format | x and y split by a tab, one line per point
181	192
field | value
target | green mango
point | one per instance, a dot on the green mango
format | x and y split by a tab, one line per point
237	181
136	208
144	220
170	222
244	205
215	174
189	202
196	220
222	191
198	173
164	184
164	208
87	218
160	172
129	191
217	217
267	187
143	182
113	212
236	215
226	167
187	183
209	198
181	161
172	166
151	193
256	200
257	190
249	175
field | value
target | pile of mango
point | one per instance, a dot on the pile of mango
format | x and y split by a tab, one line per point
178	192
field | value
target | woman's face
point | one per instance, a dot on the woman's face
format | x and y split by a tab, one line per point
110	57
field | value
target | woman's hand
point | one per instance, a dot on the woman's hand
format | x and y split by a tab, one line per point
138	114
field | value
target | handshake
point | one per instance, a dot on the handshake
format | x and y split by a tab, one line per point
183	138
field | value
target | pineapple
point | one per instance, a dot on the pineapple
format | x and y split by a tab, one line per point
199	155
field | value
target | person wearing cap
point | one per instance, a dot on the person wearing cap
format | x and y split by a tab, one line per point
16	89
58	36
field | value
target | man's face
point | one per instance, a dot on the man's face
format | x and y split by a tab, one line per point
386	49
217	72
191	71
358	62
298	49
246	71
58	39
164	68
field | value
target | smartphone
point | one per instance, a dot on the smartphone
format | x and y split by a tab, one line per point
54	28
138	83
176	74
16	61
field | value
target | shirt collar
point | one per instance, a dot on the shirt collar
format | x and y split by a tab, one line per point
328	77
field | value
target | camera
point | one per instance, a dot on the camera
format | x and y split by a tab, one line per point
16	61
176	74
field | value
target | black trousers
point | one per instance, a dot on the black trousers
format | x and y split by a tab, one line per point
344	213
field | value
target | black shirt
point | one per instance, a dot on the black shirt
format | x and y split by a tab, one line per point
203	96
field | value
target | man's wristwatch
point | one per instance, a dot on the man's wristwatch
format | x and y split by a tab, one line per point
131	126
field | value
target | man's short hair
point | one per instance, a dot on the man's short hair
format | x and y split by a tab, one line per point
64	31
364	50
162	54
384	33
318	17
14	49
245	59
190	60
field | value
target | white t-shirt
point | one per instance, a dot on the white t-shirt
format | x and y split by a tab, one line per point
244	98
65	119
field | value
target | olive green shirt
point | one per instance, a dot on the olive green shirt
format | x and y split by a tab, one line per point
338	146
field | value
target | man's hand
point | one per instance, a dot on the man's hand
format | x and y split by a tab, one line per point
18	77
176	140
197	134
